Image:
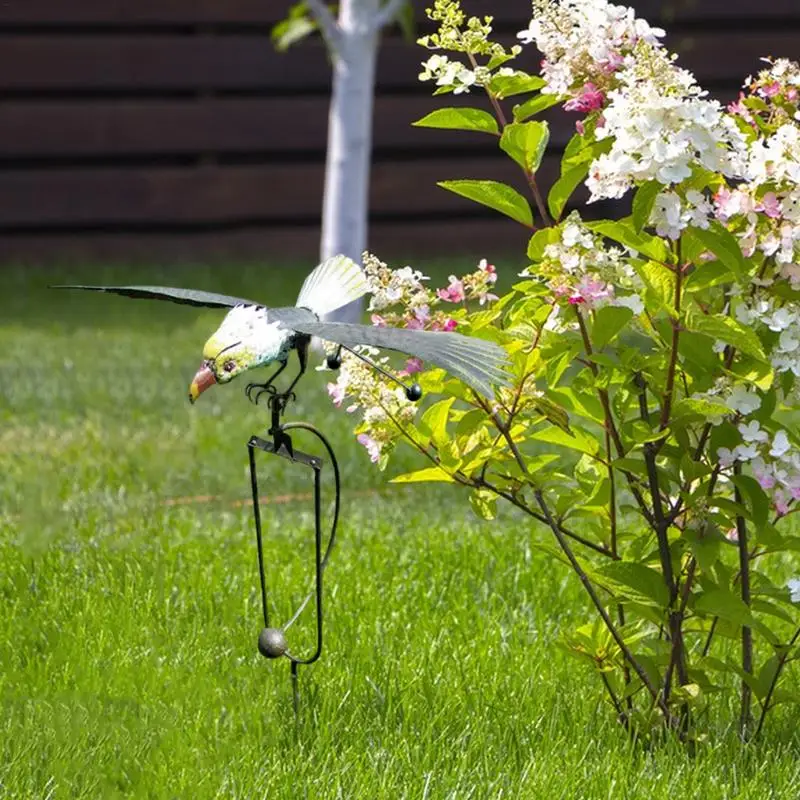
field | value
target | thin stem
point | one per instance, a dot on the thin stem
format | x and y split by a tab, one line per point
774	682
530	176
666	404
623	717
612	513
598	548
747	633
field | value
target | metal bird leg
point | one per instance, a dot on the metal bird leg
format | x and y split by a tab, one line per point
264	388
301	345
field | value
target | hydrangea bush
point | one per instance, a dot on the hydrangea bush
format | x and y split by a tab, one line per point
651	423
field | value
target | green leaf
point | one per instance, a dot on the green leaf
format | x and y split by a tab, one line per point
728	330
608	322
484	503
461	119
705	546
563	188
640	583
623	232
660	283
495	195
765	607
706	275
577	440
723	603
699	407
756	498
503	86
643	203
526	143
434	420
297	25
540	240
535	105
430	474
723	244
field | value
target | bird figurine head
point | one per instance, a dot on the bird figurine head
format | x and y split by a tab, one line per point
246	339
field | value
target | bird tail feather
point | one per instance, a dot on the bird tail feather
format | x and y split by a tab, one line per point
333	284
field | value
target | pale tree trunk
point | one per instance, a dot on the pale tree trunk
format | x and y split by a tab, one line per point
353	44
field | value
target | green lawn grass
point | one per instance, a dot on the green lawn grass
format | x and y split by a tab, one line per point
128	624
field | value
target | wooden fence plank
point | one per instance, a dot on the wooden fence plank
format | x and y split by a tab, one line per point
670	11
248	62
495	237
271	125
195	12
212	194
139	12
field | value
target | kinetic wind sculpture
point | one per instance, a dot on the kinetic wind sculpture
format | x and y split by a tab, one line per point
253	335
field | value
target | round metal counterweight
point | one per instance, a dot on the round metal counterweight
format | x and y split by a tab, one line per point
414	392
272	643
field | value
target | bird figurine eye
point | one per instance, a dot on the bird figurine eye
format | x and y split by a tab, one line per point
229	366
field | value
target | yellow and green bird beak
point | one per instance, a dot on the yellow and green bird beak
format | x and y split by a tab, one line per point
204	377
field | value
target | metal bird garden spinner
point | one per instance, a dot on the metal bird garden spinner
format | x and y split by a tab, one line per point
253	335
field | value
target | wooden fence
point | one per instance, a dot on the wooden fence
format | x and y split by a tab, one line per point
165	128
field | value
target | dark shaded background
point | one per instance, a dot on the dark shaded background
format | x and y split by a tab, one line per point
164	129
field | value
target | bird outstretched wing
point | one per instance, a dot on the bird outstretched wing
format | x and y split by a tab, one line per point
189	297
478	363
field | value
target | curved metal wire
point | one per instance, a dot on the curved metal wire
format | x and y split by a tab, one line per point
321	560
279	432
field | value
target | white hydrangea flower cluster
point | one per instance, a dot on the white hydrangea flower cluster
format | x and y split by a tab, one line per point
580	269
389	287
446	72
661	126
773	459
584	41
671	215
780	318
461	34
657	118
453	74
381	404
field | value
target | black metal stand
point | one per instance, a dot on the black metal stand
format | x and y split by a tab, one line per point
272	641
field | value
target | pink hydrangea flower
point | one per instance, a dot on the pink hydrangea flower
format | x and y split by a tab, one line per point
413	365
592	291
378	321
728	203
337	393
781	502
589	99
612	62
421	315
488	268
770	90
770	205
454	293
450	325
373	447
